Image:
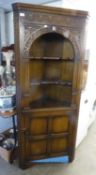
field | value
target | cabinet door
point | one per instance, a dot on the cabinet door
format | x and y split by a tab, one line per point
45	136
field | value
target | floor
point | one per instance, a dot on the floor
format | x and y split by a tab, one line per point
84	163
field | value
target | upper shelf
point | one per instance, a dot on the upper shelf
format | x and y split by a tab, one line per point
50	58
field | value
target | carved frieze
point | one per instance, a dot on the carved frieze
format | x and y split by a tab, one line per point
33	31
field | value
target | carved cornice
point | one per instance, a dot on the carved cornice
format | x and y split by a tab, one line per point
48	9
53	19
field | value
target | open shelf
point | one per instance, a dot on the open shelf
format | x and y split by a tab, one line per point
50	72
51	58
52	46
51	82
49	102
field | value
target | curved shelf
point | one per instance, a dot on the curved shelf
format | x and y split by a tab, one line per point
51	82
51	58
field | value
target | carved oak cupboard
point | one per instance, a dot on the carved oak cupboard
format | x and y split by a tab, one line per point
49	49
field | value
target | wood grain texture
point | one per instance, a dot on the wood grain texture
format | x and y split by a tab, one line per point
49	49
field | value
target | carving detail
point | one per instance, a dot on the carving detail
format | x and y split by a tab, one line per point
67	20
31	33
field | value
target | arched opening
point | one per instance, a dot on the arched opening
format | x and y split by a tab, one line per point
51	70
52	45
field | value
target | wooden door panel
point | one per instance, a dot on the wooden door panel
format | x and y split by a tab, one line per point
59	124
45	125
58	144
38	147
35	149
39	122
38	126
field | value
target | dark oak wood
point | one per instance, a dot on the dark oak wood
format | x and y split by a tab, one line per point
49	50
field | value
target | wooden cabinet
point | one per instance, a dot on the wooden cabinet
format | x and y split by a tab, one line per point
49	49
46	133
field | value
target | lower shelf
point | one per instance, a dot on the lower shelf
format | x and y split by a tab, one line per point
49	102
